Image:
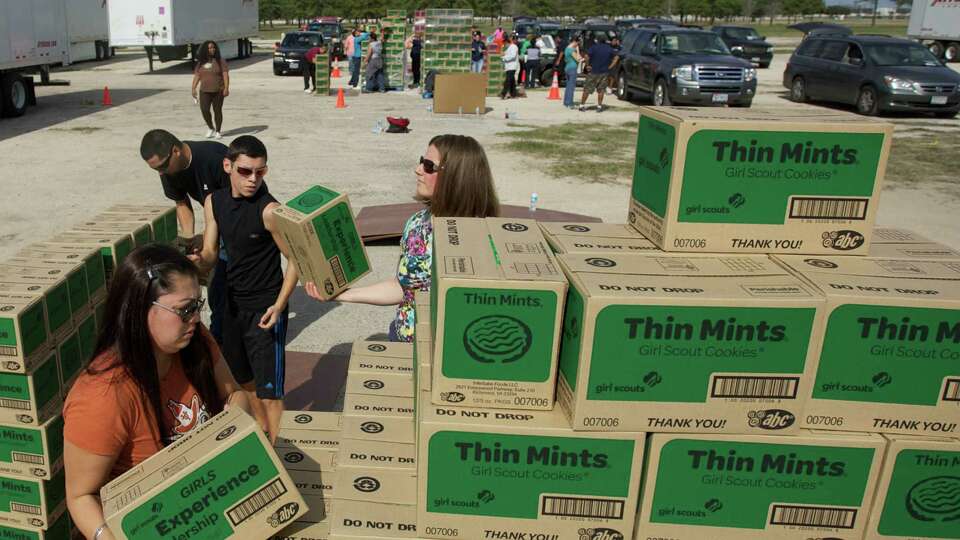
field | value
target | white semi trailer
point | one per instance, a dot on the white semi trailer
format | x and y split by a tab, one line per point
33	36
173	29
88	30
937	24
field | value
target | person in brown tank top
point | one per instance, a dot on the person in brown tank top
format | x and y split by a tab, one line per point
213	79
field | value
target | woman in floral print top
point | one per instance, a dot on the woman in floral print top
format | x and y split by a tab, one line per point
453	180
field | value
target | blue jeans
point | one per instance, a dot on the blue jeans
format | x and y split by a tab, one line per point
570	88
476	66
355	70
377	83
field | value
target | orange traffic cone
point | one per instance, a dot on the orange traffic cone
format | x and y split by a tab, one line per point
523	77
336	72
106	97
554	88
341	104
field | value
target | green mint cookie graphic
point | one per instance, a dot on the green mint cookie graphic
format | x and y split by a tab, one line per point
497	339
935	499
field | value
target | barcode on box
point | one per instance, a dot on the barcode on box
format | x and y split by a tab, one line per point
951	392
813	516
8	351
15	404
729	386
252	504
27	458
338	271
820	208
25	508
580	507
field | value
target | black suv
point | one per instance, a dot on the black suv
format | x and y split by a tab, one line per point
683	66
288	54
875	73
745	42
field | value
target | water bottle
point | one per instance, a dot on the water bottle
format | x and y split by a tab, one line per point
378	127
430	107
534	198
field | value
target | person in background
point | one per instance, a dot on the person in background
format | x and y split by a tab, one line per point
601	60
533	62
498	37
415	44
255	322
453	180
191	170
477	49
511	63
523	44
611	80
571	61
356	56
213	79
374	63
310	68
156	376
348	44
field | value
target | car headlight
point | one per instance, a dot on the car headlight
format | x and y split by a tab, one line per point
902	85
749	74
683	72
276	54
769	49
736	49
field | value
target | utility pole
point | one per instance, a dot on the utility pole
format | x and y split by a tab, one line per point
876	5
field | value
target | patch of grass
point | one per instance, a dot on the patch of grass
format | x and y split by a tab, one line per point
918	160
590	152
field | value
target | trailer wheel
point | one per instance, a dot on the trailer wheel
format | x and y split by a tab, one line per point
936	48
952	52
14	96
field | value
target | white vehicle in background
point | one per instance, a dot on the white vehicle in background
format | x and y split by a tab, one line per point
88	30
936	23
33	36
173	29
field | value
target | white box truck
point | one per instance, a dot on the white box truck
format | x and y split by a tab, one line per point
936	23
173	29
88	30
33	36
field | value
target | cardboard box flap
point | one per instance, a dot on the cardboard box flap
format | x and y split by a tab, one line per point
886	235
522	251
391	349
763	118
308	438
375	485
676	265
372	405
377	455
941	276
589	230
461	249
892	437
310	420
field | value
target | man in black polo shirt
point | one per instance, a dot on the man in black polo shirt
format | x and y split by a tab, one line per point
191	170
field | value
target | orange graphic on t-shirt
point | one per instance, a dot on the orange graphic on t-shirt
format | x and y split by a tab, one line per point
186	417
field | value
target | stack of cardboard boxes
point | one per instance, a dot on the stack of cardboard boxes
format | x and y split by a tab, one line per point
493	67
446	46
394	36
322	76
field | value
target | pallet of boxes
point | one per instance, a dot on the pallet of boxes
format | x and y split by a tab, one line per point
394	36
322	74
493	67
446	46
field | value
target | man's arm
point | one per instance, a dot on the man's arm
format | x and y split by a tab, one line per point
211	239
185	218
289	279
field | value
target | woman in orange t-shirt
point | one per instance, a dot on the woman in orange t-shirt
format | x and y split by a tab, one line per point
156	375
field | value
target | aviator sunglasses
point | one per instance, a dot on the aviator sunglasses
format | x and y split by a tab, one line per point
429	166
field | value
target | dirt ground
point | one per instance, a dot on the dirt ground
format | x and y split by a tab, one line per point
69	158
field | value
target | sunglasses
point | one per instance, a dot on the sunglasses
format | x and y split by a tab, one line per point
247	172
165	164
429	166
186	313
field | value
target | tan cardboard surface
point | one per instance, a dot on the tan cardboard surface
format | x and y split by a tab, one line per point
305	530
365	405
384	429
595	238
394	486
32	502
25	336
389	349
308	458
380	520
92	261
687	343
313	482
916	250
381	383
888	235
378	455
32	398
460	93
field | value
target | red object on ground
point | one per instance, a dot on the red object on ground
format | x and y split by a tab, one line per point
336	72
341	103
106	97
554	88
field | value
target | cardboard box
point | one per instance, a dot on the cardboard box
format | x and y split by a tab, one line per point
499	473
141	233
423	341
91	259
375	502
221	480
378	418
167	213
23	333
114	247
32	502
160	230
62	529
378	455
388	377
497	304
53	289
755	181
888	235
70	360
774	487
382	349
31	398
890	360
927	251
305	530
75	274
32	451
595	238
917	496
686	343
313	433
318	226
460	93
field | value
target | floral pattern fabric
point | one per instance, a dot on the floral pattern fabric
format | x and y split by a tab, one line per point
413	271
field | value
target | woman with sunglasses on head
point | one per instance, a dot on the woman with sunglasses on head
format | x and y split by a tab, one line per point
453	180
213	77
155	376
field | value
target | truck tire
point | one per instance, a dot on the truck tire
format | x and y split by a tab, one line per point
952	52
14	95
798	90
868	102
661	93
546	77
936	48
623	91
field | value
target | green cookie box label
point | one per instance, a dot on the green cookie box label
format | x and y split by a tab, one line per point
501	475
570	338
25	493
71	357
58	531
15	388
730	484
888	354
33	331
499	334
341	243
312	199
653	164
923	498
25	444
669	353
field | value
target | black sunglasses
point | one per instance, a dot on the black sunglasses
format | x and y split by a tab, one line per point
187	312
429	166
165	164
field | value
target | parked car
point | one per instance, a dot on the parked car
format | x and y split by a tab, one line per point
590	33
818	29
288	54
745	42
567	32
683	66
331	31
875	73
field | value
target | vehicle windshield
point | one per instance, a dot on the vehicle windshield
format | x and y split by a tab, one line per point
301	41
901	54
549	28
743	33
693	43
548	42
327	29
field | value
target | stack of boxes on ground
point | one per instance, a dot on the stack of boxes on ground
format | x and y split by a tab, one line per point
394	36
322	75
493	67
51	305
446	46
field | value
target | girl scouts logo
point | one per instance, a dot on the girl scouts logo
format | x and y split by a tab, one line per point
497	339
376	348
576	228
515	227
935	499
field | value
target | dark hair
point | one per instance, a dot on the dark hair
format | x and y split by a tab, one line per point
464	186
373	36
158	142
143	276
246	145
203	56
